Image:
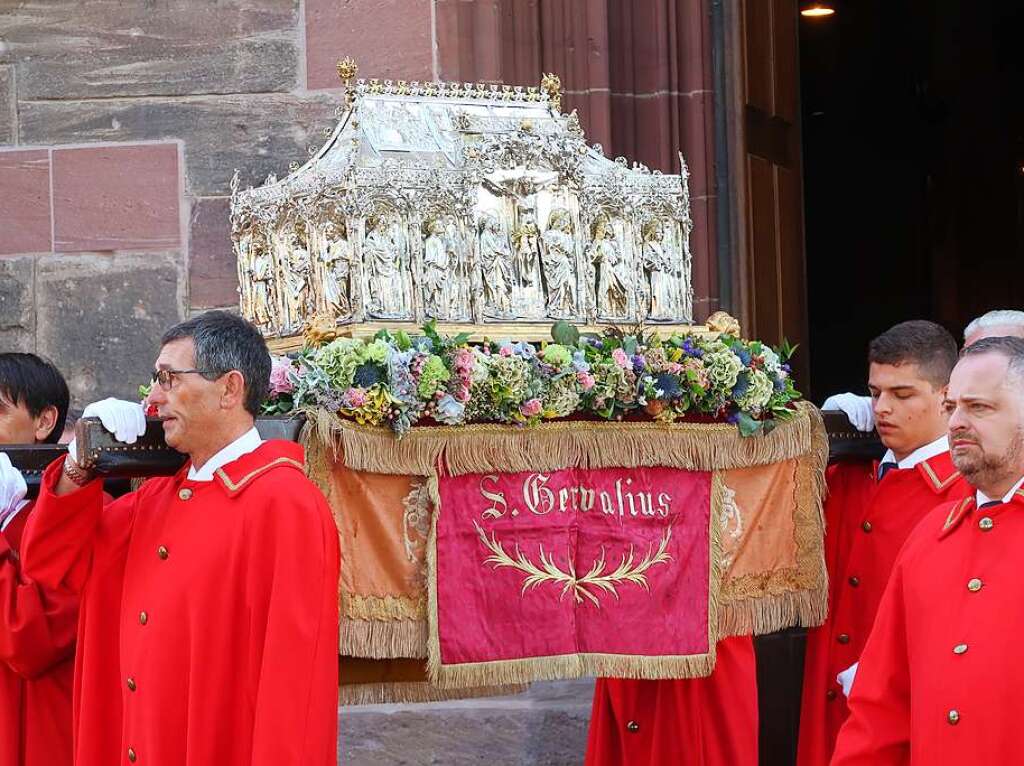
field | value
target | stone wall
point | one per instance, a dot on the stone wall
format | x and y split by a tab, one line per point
122	121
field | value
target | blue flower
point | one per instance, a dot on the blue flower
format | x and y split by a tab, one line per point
668	385
367	375
579	362
449	411
691	350
743	354
742	384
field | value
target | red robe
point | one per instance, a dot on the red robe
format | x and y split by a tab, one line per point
866	524
37	648
688	722
941	676
209	619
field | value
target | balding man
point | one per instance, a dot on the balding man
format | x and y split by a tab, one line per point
940	678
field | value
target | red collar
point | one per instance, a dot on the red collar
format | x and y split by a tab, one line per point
963	508
238	474
939	472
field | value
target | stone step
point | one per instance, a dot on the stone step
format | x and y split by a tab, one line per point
544	726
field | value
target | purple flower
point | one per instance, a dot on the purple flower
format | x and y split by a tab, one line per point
639	364
691	350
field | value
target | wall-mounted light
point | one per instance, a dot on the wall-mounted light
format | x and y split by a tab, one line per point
817	11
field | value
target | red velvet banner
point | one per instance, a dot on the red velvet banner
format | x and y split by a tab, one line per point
603	571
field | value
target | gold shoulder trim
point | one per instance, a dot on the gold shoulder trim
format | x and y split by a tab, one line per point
233	486
956	513
937	483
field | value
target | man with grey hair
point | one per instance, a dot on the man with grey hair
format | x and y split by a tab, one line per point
209	612
939	680
994	324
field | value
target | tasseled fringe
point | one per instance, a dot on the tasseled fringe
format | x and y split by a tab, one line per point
570	666
382	640
551	446
769	613
411	691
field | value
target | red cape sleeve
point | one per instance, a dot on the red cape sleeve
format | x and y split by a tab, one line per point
62	532
292	595
877	733
37	626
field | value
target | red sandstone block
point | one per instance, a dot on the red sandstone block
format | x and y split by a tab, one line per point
389	39
212	273
25	201
116	198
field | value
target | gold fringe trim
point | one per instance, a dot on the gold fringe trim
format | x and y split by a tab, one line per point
567	666
382	640
580	665
551	446
411	691
384	608
771	612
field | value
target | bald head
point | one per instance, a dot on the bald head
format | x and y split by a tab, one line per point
1004	323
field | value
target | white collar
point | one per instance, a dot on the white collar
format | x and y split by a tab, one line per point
243	445
980	498
919	455
10	518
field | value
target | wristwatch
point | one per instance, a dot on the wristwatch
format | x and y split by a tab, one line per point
76	473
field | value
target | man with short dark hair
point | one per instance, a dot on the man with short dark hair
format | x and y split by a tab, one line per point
940	677
37	625
993	324
870	510
209	622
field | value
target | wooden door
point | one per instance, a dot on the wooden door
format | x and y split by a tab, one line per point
772	271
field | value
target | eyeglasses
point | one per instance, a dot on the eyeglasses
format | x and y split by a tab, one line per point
166	377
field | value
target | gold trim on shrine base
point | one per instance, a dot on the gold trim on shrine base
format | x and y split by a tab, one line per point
555	445
536	332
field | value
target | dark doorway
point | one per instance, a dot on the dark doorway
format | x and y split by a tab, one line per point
913	163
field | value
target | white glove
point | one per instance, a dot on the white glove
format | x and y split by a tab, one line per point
845	679
857	408
12	487
125	420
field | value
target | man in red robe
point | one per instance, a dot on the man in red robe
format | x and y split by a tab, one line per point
37	625
686	722
940	677
209	612
871	509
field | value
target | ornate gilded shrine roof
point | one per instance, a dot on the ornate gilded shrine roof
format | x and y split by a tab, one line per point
470	204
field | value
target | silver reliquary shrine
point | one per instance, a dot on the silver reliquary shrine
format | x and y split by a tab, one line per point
468	204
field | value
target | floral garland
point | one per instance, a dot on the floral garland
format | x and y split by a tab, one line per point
398	380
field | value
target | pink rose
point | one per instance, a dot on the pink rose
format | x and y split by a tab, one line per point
505	351
355	397
531	407
586	380
620	358
280	382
